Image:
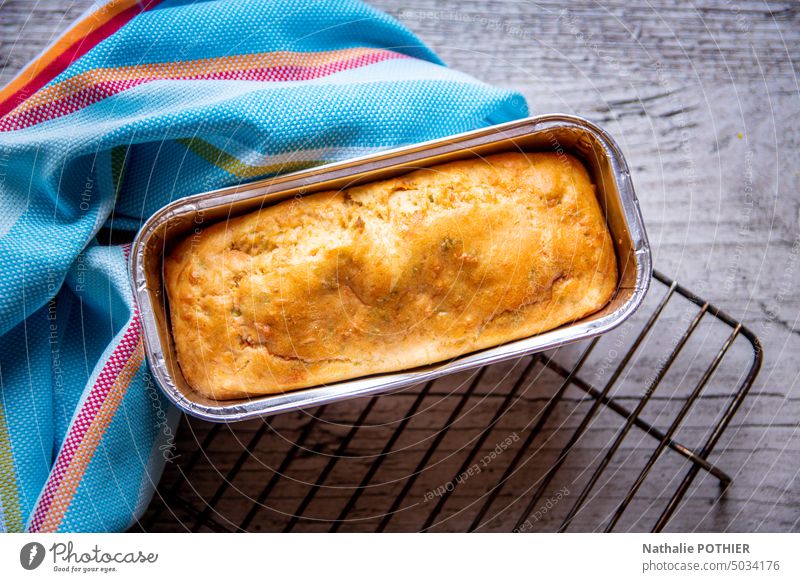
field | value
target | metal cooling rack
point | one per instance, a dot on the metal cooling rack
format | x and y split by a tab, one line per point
607	435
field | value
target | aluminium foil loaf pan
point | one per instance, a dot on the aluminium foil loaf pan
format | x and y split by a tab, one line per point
560	133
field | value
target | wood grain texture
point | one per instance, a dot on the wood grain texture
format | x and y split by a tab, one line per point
703	99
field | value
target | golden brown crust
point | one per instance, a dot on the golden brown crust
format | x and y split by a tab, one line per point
389	275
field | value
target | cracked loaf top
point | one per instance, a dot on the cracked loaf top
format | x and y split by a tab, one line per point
389	275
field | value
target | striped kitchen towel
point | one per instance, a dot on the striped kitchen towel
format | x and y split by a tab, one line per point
137	104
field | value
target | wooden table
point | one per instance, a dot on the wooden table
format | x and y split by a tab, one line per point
703	99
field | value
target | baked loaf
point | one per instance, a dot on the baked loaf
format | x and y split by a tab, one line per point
389	275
